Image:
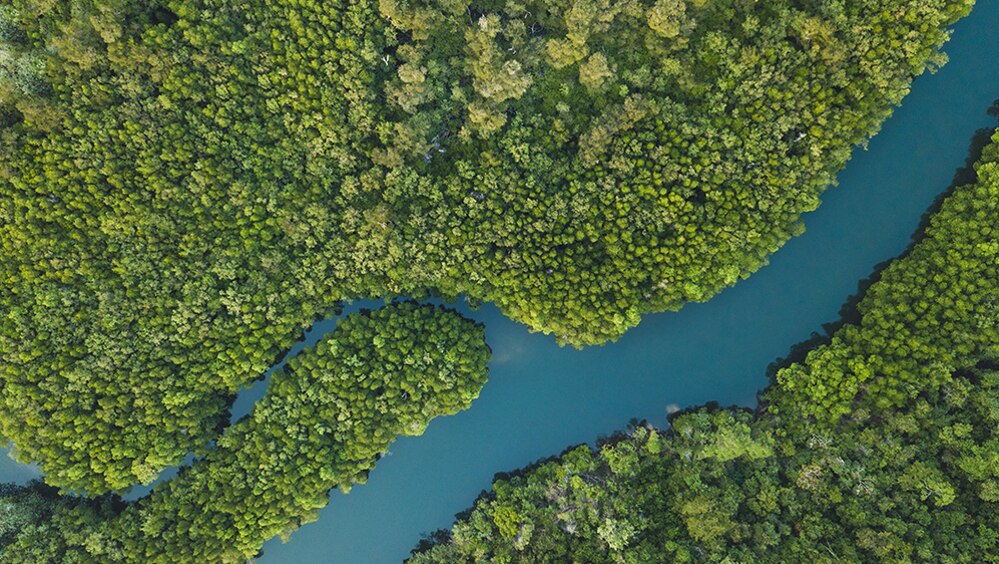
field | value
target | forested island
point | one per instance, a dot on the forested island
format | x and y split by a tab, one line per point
186	185
880	446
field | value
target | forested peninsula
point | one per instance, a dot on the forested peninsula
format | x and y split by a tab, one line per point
881	446
327	418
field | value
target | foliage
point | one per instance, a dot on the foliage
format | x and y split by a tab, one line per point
326	419
881	446
185	185
22	507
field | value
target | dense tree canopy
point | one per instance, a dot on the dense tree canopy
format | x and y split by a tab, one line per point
24	507
326	419
186	184
882	446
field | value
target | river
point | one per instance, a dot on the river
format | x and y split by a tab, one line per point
541	398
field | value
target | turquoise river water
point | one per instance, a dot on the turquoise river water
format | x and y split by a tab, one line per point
541	399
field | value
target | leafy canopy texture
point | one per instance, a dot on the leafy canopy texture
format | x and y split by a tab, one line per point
326	419
186	184
881	446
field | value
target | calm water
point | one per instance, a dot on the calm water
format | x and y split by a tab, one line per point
541	398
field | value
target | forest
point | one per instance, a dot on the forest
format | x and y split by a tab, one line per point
187	185
881	446
327	418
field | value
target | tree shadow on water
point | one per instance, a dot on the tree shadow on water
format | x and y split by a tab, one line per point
849	313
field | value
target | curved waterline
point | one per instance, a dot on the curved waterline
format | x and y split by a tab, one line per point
542	398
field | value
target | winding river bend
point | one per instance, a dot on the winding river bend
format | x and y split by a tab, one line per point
542	398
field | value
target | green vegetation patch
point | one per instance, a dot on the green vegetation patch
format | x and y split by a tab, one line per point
325	421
